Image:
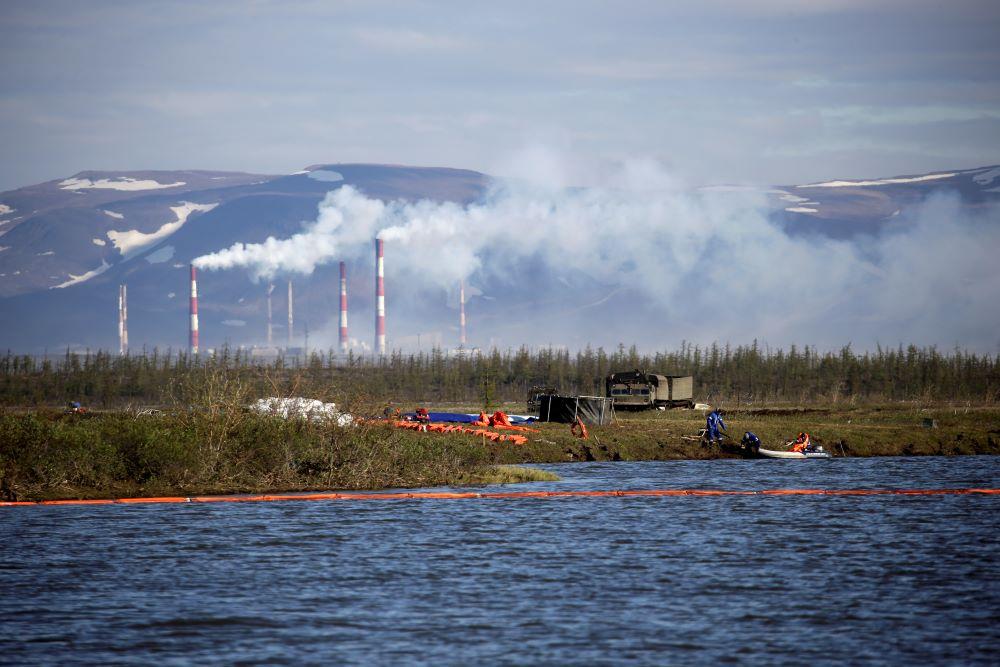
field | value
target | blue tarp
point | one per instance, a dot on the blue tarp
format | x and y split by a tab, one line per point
521	419
455	417
462	418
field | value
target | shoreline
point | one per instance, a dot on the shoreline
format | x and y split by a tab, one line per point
506	495
47	455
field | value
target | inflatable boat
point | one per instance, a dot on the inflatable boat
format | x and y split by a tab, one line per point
816	453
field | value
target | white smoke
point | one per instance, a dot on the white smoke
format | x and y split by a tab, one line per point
712	265
318	243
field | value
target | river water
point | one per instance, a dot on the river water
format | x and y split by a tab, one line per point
642	580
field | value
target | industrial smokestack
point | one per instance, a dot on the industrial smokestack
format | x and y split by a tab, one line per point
194	311
122	320
121	324
291	319
270	288
379	299
461	314
343	308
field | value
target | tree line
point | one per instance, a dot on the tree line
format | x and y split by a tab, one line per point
748	374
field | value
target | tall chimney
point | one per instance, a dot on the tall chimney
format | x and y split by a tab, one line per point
121	323
291	319
121	320
343	308
270	288
461	314
379	299
193	340
124	341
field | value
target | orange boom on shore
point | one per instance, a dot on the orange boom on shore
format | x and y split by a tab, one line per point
512	495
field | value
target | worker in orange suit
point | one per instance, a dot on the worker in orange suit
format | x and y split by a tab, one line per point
801	443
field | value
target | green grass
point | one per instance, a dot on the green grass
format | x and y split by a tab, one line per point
50	455
47	455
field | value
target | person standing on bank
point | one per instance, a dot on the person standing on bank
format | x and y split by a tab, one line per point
712	424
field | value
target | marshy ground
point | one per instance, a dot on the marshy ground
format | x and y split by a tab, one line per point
46	454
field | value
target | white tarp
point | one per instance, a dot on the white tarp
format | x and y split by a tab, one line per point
305	408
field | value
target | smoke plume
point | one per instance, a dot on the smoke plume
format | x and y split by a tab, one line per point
700	265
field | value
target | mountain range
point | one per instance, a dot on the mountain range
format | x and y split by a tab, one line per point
66	244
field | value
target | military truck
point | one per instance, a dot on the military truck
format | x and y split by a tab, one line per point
640	390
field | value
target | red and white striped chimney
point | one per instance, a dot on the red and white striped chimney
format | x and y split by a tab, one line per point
461	314
122	321
121	324
379	299
291	319
343	308
193	340
270	288
124	341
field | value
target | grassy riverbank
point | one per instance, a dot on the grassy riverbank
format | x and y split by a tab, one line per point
45	455
871	430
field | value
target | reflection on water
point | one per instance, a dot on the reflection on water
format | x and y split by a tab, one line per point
572	580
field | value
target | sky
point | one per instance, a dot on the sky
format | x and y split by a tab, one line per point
757	92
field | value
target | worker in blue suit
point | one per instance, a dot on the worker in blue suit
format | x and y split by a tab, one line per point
750	442
712	424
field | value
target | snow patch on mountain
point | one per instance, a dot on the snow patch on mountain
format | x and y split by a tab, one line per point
4	209
161	255
123	183
75	280
4	247
883	181
100	242
132	241
987	177
116	216
325	176
799	204
46	253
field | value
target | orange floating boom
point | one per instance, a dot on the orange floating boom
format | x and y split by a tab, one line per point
512	495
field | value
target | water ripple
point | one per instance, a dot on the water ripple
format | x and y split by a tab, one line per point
682	580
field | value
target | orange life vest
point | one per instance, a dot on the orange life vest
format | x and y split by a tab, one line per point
499	419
